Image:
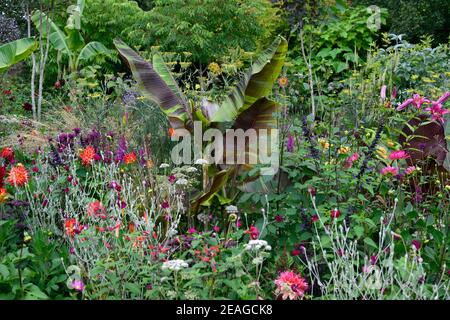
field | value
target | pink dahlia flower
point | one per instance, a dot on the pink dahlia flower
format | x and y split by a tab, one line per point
397	155
290	286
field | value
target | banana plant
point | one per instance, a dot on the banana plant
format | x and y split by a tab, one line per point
246	107
70	42
16	51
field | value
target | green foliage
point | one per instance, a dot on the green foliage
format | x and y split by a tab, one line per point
339	43
70	42
208	29
31	270
16	51
415	18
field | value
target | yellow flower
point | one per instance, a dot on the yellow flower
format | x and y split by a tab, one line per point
390	143
343	150
324	143
382	152
414	77
214	68
447	187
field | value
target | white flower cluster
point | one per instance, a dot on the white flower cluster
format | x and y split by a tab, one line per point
201	161
182	182
191	169
175	265
164	165
231	209
256	245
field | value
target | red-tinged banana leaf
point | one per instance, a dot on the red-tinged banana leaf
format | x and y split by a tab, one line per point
260	120
155	87
423	138
257	82
218	182
265	184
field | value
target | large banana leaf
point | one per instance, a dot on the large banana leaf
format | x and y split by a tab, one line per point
260	118
91	50
155	87
75	40
56	36
256	83
164	72
218	182
16	51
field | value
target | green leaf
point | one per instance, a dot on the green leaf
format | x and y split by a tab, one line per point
48	28
4	272
219	180
256	83
154	87
91	50
16	51
370	243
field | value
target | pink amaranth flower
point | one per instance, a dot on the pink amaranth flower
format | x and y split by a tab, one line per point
192	231
279	218
314	218
410	169
172	179
165	204
78	285
397	155
216	229
295	252
437	111
389	170
290	286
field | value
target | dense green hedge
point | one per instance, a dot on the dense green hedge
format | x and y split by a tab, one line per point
415	18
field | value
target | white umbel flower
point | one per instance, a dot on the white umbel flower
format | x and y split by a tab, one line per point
201	161
164	165
182	182
191	169
174	265
256	245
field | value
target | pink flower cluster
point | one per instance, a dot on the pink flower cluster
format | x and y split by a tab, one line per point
436	109
290	286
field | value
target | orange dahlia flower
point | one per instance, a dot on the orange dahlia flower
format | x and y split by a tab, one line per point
283	82
3	195
18	176
130	158
87	155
